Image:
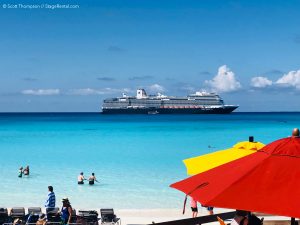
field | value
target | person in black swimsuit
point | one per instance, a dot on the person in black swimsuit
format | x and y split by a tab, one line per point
92	179
81	178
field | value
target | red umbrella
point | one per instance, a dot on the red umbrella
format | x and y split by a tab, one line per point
267	181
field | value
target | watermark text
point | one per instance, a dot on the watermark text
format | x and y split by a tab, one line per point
39	6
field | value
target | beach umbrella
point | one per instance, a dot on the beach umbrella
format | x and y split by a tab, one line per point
267	181
206	162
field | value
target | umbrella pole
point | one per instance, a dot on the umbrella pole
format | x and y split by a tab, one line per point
293	221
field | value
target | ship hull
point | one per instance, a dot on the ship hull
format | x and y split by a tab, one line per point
221	110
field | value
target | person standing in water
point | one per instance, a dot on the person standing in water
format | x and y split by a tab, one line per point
26	171
92	179
20	172
81	178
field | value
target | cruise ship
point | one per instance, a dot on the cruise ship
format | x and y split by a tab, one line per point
197	103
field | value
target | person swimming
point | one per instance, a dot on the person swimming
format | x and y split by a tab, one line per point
92	179
81	178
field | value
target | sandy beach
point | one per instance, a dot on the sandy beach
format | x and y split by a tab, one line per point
147	216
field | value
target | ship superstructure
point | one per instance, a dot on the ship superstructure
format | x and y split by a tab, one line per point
197	103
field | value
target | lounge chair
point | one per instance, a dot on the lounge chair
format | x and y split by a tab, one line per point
34	210
33	215
17	212
4	215
53	215
108	217
53	210
89	217
73	216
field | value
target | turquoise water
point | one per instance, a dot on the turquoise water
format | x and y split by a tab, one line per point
135	157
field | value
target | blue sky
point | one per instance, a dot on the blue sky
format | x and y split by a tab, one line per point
71	59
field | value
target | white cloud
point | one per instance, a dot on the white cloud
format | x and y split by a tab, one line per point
91	91
224	81
292	79
187	88
41	92
85	91
260	82
156	88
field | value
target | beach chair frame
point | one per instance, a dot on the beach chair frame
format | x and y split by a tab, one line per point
17	212
4	218
89	217
53	215
34	210
108	217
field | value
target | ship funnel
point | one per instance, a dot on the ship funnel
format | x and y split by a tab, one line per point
141	93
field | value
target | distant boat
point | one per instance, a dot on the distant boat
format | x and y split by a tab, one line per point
197	103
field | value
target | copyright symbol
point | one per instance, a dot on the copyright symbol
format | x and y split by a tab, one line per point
4	6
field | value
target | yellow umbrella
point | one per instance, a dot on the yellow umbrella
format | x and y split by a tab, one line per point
206	162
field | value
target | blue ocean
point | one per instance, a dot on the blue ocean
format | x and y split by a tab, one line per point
135	157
